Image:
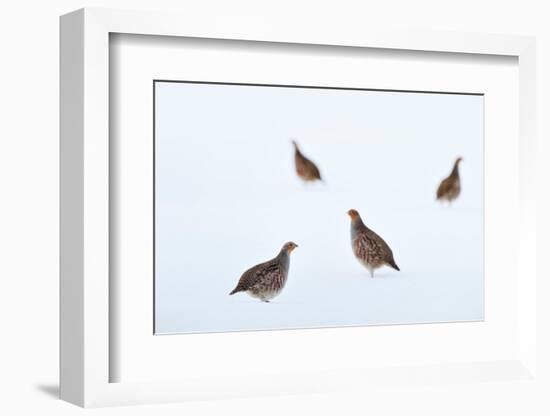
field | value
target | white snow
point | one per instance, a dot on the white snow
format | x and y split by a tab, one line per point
228	198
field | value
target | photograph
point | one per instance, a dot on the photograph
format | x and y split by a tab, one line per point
293	207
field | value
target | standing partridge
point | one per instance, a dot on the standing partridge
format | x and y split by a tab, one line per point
449	188
266	280
369	248
305	168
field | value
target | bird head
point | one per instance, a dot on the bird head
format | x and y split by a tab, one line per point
288	247
294	143
458	160
353	214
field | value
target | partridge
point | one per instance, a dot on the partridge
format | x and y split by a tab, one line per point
266	280
449	188
369	248
305	168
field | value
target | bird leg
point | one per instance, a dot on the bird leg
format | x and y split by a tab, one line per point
265	300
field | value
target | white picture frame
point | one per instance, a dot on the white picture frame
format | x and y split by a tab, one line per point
85	202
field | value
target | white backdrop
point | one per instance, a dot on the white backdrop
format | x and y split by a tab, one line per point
29	220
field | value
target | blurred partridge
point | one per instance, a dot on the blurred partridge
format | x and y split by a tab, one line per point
369	248
305	168
266	280
449	188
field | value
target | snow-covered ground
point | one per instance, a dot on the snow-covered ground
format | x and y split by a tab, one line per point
228	198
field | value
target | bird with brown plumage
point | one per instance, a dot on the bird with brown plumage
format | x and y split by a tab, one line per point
449	188
305	168
266	280
368	247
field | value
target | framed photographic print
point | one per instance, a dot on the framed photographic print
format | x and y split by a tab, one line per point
299	201
229	192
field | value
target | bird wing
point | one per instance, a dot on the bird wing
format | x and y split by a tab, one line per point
304	165
312	167
381	246
256	273
444	187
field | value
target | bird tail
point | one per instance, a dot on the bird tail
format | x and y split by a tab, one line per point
392	264
234	291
